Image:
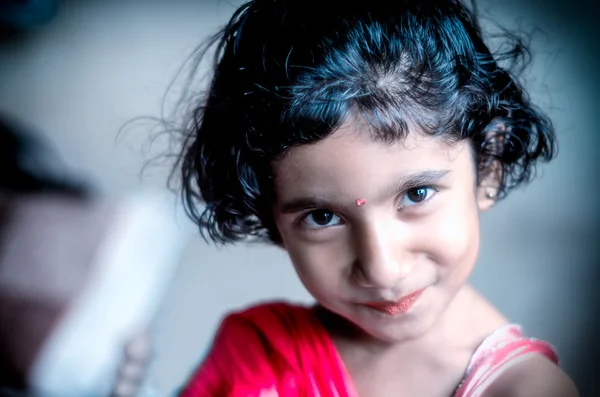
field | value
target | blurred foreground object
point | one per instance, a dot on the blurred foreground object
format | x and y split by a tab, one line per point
29	166
78	279
81	276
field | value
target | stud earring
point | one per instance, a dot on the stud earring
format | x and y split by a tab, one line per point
489	193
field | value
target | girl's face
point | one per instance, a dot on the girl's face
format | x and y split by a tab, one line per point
418	229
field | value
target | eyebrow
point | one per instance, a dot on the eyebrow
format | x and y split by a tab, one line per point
407	182
411	181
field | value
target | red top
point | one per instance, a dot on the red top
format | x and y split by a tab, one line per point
281	350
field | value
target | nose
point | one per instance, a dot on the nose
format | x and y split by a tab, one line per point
380	260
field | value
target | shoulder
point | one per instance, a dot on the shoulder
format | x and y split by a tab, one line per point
247	351
261	317
534	375
270	327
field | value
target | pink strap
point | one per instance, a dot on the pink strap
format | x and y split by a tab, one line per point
505	347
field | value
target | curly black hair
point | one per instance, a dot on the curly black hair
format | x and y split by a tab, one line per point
288	75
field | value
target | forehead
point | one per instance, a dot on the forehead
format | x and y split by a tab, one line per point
350	160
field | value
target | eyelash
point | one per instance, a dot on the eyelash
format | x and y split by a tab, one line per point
427	201
423	203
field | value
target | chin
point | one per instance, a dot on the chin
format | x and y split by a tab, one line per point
398	334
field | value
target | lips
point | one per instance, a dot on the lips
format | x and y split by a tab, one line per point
395	308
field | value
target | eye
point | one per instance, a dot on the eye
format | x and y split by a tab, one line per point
321	218
416	196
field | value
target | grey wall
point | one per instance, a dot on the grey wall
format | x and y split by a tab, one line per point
100	64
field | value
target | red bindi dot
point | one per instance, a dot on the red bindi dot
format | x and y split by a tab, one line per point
361	202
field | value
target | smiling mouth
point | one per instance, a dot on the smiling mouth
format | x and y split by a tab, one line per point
396	308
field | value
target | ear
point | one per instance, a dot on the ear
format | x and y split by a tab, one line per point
489	183
490	177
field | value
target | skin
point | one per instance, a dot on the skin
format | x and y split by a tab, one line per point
418	229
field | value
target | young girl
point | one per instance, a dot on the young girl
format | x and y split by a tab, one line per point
365	138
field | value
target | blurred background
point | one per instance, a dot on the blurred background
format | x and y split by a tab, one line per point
73	73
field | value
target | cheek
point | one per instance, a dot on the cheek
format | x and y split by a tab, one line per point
320	267
454	235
